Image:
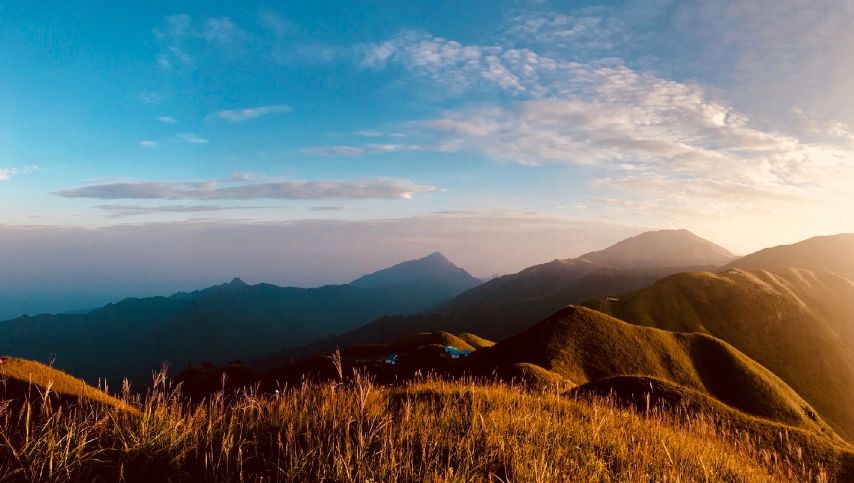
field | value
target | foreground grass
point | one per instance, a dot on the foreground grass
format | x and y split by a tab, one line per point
426	431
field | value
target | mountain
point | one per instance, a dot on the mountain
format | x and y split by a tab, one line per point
663	248
510	304
797	323
433	268
235	320
583	345
832	253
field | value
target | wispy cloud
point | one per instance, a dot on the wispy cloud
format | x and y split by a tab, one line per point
182	39
7	173
250	113
364	149
167	119
642	137
192	138
377	188
173	35
122	211
147	143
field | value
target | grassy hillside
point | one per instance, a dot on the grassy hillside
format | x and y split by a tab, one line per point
426	431
417	353
648	395
21	378
831	253
583	345
797	323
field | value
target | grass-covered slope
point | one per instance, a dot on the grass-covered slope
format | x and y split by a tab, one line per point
21	379
649	395
797	323
430	431
418	353
833	253
583	345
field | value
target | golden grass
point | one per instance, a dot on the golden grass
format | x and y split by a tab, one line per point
355	431
475	341
21	376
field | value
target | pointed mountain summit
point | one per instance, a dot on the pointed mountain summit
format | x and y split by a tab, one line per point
434	267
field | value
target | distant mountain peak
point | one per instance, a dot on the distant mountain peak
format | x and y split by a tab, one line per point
237	282
662	248
436	256
434	266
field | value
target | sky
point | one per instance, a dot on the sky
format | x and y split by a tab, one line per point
351	135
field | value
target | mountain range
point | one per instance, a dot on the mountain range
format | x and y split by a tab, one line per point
234	320
510	304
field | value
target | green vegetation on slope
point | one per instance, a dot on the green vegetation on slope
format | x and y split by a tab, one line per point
584	345
797	323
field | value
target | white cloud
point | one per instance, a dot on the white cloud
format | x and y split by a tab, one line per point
222	31
7	173
147	143
167	119
123	211
377	188
645	139
364	149
250	113
369	133
192	138
173	35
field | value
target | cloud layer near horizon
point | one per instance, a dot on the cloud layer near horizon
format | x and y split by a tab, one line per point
379	188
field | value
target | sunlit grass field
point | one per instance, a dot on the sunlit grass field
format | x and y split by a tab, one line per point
356	431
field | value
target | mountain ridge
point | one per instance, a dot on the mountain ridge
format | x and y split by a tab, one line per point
233	320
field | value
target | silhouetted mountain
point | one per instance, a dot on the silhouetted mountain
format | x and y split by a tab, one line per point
434	268
229	321
510	304
795	322
832	253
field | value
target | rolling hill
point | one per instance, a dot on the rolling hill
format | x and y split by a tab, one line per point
797	323
583	345
510	304
134	337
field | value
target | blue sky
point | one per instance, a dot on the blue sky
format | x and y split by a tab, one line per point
105	92
731	118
